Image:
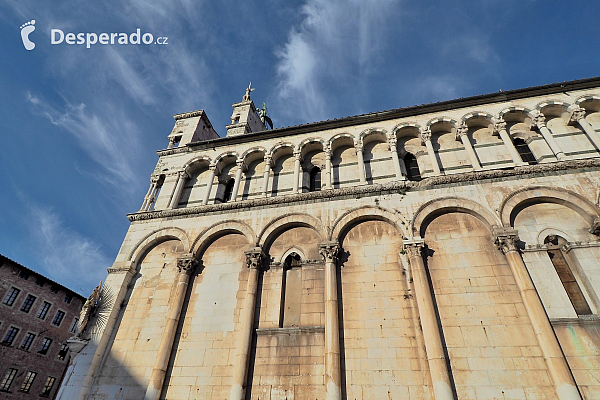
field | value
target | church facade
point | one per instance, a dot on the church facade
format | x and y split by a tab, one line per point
444	251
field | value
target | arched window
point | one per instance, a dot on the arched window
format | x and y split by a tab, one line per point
555	243
524	150
291	290
412	168
315	179
228	190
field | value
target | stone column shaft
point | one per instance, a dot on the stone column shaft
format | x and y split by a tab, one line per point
361	163
178	189
556	362
238	179
209	184
240	372
500	127
579	116
464	138
328	180
436	358
426	139
539	120
144	206
266	176
297	156
333	373
159	370
392	142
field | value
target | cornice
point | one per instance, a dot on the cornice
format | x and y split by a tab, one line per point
190	114
391	187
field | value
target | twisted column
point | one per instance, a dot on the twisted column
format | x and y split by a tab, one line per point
500	129
238	178
297	159
181	177
539	120
268	162
566	389
426	140
358	146
578	115
432	336
209	183
333	374
254	258
462	135
392	143
186	266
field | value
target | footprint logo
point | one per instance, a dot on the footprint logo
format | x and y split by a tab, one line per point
26	29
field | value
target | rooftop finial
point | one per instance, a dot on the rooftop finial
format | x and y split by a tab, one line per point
248	90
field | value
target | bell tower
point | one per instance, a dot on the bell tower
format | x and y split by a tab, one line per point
245	118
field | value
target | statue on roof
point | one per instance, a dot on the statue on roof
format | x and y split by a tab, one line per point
248	90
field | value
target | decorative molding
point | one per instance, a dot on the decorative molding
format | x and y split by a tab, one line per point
292	330
392	187
329	251
413	247
254	257
186	265
506	239
190	114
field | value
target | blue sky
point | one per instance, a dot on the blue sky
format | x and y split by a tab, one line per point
80	126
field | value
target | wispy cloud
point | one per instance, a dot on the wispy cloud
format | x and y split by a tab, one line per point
65	255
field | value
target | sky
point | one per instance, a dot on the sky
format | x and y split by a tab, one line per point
81	126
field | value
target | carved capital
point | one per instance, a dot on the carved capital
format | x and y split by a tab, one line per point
425	136
595	228
392	141
538	119
329	251
183	175
240	164
577	114
268	160
506	239
499	126
413	248
358	146
186	265
297	155
254	257
154	179
461	131
213	168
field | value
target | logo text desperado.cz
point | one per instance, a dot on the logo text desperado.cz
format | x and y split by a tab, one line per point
57	36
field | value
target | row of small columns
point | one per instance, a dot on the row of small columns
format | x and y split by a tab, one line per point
538	121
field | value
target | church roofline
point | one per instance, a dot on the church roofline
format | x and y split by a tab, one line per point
488	98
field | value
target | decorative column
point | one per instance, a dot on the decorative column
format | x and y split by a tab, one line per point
181	177
186	266
268	162
392	142
358	146
298	158
151	195
438	368
328	180
462	135
506	239
426	140
539	120
209	183
578	115
171	142
500	129
238	178
254	259
333	372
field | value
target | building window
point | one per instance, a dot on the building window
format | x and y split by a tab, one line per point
27	341
412	167
580	304
10	336
62	353
58	318
28	381
48	386
45	346
53	289
7	379
23	274
524	151
73	328
28	303
291	291
12	294
315	179
39	282
228	190
44	310
68	298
